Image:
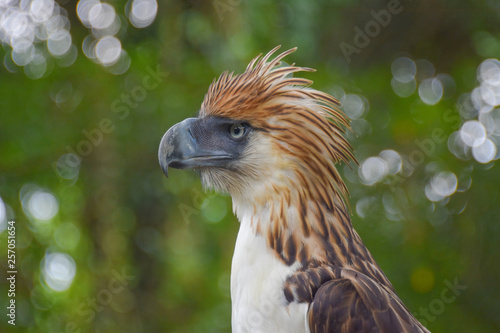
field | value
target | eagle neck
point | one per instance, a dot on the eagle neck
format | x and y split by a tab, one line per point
300	226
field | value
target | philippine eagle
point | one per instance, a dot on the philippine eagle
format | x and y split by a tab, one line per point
272	142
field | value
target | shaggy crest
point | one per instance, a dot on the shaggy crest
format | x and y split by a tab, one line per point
268	98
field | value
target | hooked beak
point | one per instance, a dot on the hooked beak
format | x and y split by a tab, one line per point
181	149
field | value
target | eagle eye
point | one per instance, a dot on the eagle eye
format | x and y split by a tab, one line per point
237	130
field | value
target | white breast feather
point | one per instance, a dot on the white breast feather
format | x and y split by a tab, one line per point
257	278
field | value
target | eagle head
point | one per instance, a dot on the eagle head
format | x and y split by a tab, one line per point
262	132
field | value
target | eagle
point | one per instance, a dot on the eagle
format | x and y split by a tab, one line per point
272	143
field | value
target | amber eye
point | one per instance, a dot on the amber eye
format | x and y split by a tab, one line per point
237	130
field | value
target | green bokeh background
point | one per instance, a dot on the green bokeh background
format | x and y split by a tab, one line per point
120	215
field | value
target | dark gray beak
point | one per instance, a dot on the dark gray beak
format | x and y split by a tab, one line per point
183	147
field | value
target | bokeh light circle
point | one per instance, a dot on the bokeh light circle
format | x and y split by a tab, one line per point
489	72
403	69
473	133
59	270
143	13
108	50
101	15
83	11
430	91
3	216
444	183
41	10
485	152
403	89
372	170
393	161
59	43
353	106
43	205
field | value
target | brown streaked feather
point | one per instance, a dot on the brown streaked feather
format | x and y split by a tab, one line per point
354	302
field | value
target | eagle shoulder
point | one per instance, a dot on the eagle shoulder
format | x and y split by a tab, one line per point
354	302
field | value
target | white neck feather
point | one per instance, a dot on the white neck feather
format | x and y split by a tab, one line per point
257	278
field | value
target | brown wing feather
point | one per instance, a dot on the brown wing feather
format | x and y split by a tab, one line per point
356	303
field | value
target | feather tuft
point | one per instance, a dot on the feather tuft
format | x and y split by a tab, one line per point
307	124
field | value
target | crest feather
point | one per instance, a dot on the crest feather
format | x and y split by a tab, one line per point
308	123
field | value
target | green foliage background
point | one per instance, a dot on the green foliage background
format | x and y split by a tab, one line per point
175	241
